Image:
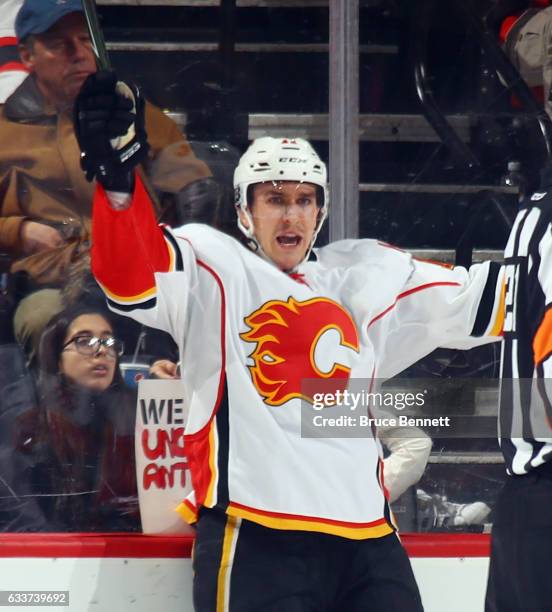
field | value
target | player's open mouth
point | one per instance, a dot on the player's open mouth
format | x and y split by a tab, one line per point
288	240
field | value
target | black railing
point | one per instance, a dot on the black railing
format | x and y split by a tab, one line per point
435	117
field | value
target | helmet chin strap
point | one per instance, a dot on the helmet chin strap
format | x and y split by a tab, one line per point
255	245
249	232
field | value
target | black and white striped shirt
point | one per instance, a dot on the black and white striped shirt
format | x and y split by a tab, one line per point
525	418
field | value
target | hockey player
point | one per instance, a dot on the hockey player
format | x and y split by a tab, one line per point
284	522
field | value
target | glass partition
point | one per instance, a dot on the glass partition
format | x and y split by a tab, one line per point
446	148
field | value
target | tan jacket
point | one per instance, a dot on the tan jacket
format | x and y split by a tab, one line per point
41	179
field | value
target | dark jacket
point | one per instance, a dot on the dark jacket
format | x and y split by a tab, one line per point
67	463
88	460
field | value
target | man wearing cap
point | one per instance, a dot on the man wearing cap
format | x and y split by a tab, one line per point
45	200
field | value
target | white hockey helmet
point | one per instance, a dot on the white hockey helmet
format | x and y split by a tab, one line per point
278	159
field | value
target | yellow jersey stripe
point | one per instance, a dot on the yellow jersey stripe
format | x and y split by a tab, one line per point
499	319
231	532
213	452
276	522
186	513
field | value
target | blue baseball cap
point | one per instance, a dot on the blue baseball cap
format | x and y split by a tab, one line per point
37	16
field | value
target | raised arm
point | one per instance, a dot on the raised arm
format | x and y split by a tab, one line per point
128	246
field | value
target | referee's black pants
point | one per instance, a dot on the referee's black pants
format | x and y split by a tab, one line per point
240	566
520	571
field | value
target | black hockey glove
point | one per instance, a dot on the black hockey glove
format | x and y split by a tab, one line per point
109	124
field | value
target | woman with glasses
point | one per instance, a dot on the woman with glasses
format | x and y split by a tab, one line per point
82	352
86	470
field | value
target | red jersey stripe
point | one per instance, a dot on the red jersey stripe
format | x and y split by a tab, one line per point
410	292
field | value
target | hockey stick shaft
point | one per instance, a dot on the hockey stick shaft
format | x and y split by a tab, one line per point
96	36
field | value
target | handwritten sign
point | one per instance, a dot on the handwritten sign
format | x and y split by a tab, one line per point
163	476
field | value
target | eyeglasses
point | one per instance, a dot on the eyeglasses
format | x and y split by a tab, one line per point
90	345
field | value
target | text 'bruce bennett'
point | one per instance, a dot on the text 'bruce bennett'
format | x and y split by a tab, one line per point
366	421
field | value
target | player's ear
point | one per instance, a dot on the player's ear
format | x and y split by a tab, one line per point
243	218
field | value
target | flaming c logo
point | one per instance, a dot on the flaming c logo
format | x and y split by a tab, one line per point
286	334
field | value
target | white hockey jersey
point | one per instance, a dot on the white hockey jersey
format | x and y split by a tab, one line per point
249	334
12	71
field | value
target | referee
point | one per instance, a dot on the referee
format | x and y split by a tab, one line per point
520	578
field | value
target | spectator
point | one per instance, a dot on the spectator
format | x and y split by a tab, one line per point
87	426
526	35
67	442
45	200
12	71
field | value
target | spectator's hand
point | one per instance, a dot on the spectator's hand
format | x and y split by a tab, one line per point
38	237
164	369
109	124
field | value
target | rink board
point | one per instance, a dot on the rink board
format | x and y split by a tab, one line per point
144	573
